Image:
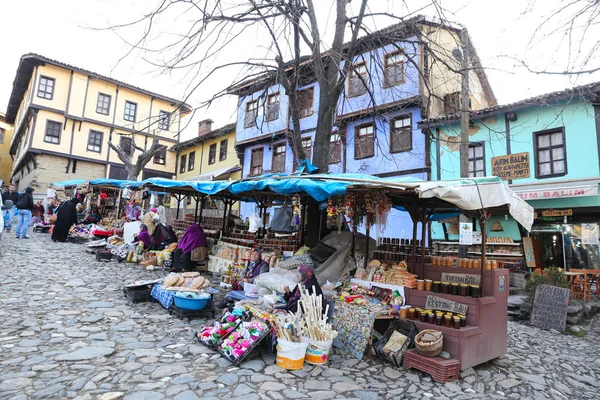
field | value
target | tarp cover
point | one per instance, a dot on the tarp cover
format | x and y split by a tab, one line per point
205	187
99	182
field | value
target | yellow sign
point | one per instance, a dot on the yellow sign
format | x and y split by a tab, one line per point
557	213
512	166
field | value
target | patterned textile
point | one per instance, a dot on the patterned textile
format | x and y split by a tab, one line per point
354	325
164	297
294	262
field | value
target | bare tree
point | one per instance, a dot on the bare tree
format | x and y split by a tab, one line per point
135	167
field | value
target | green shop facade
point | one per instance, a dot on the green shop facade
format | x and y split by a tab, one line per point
547	149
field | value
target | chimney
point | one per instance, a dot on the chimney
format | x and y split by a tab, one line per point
204	126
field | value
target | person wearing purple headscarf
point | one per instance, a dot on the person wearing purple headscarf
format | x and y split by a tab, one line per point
193	237
255	267
308	282
143	237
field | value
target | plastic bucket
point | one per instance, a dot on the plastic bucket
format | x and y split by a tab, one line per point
317	353
290	355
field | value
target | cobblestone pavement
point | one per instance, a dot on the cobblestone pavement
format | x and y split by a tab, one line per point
66	331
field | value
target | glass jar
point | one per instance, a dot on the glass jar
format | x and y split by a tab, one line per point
439	319
424	317
437	286
447	321
456	322
464	289
454	288
446	287
420	284
463	320
411	313
428	284
494	265
418	313
474	291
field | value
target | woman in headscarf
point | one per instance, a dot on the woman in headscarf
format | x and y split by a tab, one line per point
150	219
308	282
194	237
255	267
143	237
66	218
163	236
38	213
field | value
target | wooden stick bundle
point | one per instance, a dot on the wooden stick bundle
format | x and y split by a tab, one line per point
313	323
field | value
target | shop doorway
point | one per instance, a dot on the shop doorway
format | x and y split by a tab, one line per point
548	248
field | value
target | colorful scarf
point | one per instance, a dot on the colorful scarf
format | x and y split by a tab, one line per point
193	237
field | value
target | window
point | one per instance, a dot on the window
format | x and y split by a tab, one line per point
191	160
393	69
164	120
130	111
161	157
273	107
46	88
550	153
53	132
251	113
358	79
126	144
401	134
256	162
452	103
476	160
305	101
335	148
2	133
212	153
103	104
278	158
183	164
307	146
223	150
95	141
364	141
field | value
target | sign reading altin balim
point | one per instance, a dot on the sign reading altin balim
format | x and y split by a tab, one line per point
511	166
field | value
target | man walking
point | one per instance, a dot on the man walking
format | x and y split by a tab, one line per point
24	206
10	194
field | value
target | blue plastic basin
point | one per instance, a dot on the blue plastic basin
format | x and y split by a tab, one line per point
187	303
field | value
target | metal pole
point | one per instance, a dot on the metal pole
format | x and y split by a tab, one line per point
224	218
178	206
483	248
354	219
367	245
196	211
201	207
302	222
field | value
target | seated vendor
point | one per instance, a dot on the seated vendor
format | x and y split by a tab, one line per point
143	237
308	281
163	236
255	267
193	238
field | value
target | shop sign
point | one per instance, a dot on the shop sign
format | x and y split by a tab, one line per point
438	303
529	254
550	307
558	193
589	234
469	279
511	166
557	213
465	233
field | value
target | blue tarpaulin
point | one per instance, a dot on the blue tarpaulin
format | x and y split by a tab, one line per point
99	182
205	187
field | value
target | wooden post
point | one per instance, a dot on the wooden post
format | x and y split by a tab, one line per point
414	243
423	237
367	245
119	203
229	215
202	198
196	211
483	224
302	222
224	218
178	197
354	220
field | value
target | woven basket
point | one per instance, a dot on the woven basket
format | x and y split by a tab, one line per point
429	342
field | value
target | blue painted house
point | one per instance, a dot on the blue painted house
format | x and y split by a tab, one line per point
547	150
403	73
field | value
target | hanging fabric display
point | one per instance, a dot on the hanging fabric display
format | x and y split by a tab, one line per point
371	210
296	212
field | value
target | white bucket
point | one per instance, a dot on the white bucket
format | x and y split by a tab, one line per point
317	353
290	355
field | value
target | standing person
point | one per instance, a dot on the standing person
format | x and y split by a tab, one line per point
24	207
10	194
150	219
66	218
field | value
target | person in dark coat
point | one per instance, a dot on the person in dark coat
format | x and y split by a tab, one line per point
307	282
66	218
13	196
24	207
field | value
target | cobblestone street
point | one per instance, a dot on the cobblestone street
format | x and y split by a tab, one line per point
66	331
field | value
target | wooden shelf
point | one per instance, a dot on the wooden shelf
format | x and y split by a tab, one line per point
479	244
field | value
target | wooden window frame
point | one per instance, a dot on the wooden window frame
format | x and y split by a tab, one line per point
301	106
191	160
269	105
212	154
100	103
335	156
357	140
387	66
537	149
474	159
126	115
160	157
48	123
393	133
310	149
248	123
252	166
125	138
42	93
223	145
275	154
162	117
95	141
182	163
354	74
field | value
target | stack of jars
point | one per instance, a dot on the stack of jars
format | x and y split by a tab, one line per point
442	261
440	318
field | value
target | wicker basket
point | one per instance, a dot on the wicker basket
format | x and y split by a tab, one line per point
429	342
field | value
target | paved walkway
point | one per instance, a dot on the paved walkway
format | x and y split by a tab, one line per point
66	331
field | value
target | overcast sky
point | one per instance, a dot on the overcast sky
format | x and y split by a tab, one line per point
60	29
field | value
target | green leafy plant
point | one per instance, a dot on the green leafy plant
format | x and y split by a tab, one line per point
551	276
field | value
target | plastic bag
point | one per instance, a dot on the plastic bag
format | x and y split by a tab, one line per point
276	279
255	223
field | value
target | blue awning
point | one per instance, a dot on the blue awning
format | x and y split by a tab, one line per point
204	187
99	182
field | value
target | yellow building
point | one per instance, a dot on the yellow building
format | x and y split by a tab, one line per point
209	156
65	116
6	134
